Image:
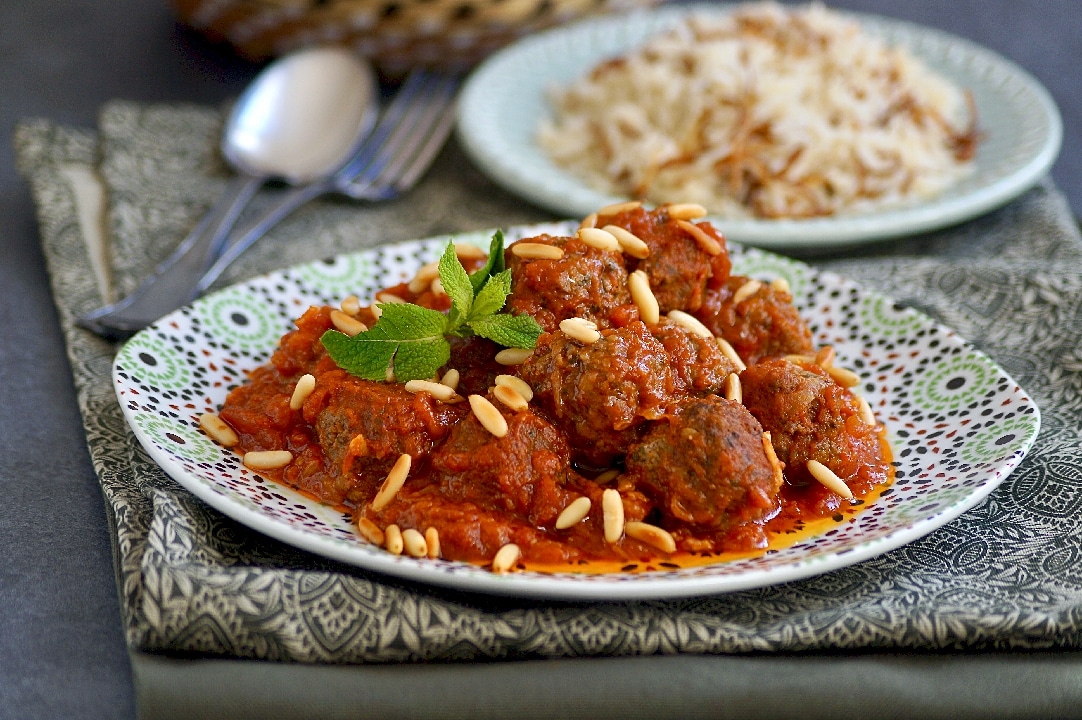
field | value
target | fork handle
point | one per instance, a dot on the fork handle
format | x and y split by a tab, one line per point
172	283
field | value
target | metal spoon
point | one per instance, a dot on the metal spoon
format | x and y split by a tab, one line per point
302	118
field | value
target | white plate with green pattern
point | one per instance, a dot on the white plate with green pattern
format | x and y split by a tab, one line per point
958	424
502	102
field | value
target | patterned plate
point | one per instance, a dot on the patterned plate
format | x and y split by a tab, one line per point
958	424
501	103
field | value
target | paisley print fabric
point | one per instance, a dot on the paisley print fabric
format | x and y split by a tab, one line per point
1007	574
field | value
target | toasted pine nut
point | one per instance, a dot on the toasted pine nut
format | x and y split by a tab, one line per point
580	329
617	208
536	251
745	291
685	211
506	558
733	390
451	378
730	352
414	543
464	251
574	513
638	283
689	323
780	284
218	430
845	378
866	413
267	459
432	540
517	384
510	397
630	243
369	531
389	298
706	243
513	356
437	390
598	238
489	417
589	221
425	275
436	288
806	359
394	481
827	477
612	508
651	535
772	458
347	323
376	311
351	305
825	357
302	390
392	539
607	476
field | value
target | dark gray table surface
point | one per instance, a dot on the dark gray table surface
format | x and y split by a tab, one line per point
62	653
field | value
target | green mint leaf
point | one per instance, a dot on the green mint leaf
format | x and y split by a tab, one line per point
492	296
494	264
366	360
421	359
456	283
411	336
518	331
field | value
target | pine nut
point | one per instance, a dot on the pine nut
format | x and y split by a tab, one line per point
351	305
598	238
706	243
267	459
574	513
728	351
612	509
866	413
376	311
685	211
394	481
464	251
536	251
436	288
392	539
617	208
347	323
772	458
369	531
513	356
580	329
506	558
828	478
389	298
638	284
424	277
517	384
781	285
652	535
589	221
437	390
745	291
302	390
414	543
797	359
845	378
218	430
825	357
689	323
451	378
490	418
607	476
630	243
432	540
510	397
733	390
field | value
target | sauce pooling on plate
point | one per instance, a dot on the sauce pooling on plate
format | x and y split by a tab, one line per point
671	413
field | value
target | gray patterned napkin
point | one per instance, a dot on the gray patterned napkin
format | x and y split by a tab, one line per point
1005	575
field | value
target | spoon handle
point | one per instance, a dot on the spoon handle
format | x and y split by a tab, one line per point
171	285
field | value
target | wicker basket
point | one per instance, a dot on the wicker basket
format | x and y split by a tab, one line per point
395	35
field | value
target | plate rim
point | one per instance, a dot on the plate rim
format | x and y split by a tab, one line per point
475	134
543	586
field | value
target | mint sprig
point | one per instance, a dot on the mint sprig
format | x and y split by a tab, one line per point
413	339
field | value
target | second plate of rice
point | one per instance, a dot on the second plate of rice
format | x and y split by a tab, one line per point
782	158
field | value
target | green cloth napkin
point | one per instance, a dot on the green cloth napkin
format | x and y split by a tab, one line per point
1006	575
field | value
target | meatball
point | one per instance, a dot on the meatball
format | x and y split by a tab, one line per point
474	358
522	473
680	270
766	324
586	282
599	394
811	417
697	361
706	466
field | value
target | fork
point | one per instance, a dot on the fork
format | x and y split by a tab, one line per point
402	146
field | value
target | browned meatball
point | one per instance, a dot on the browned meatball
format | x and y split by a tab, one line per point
680	270
706	466
766	324
475	359
600	394
811	417
697	361
586	282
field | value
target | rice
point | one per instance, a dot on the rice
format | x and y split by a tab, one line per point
765	112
